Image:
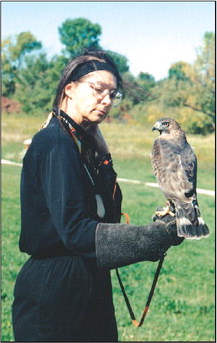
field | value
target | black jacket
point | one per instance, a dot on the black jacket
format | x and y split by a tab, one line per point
59	184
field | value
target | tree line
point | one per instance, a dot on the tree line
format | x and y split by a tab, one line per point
188	92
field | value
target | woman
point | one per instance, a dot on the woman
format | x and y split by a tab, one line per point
70	211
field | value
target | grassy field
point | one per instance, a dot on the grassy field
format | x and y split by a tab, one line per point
183	305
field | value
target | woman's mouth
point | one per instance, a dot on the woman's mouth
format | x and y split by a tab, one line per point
101	112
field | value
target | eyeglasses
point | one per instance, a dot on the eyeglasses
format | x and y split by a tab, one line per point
100	90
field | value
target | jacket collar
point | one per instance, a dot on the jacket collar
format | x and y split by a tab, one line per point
73	126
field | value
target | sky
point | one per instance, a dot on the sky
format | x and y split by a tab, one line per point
152	35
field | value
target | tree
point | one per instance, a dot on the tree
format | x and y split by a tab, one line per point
178	71
120	60
77	34
14	50
176	86
203	78
146	81
190	89
37	83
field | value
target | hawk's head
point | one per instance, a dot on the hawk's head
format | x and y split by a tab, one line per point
166	125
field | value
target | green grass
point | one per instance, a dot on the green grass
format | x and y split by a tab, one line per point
182	308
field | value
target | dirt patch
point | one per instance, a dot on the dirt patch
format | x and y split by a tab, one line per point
10	105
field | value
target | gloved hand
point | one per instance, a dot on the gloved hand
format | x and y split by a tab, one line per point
119	245
170	222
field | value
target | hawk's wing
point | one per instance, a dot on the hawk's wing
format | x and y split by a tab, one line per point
175	168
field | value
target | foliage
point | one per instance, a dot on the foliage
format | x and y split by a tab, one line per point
177	71
194	87
120	60
122	111
146	80
14	50
203	78
38	75
187	94
77	34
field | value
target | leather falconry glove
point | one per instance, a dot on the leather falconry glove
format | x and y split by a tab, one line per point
119	245
170	222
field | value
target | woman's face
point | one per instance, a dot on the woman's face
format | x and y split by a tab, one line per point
91	98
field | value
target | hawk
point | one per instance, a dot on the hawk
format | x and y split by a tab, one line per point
175	167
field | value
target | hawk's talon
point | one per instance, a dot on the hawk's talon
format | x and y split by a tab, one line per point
171	213
164	212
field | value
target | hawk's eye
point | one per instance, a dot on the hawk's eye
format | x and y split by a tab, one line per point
166	124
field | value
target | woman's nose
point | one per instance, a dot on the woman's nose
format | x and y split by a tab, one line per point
107	100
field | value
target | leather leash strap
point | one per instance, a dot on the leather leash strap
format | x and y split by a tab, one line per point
129	307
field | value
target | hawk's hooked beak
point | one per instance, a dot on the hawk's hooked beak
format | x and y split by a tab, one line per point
157	126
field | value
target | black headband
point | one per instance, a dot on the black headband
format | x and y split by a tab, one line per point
89	67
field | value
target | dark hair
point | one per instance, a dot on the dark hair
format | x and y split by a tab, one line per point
81	59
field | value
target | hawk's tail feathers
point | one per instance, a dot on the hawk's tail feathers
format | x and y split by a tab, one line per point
186	229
